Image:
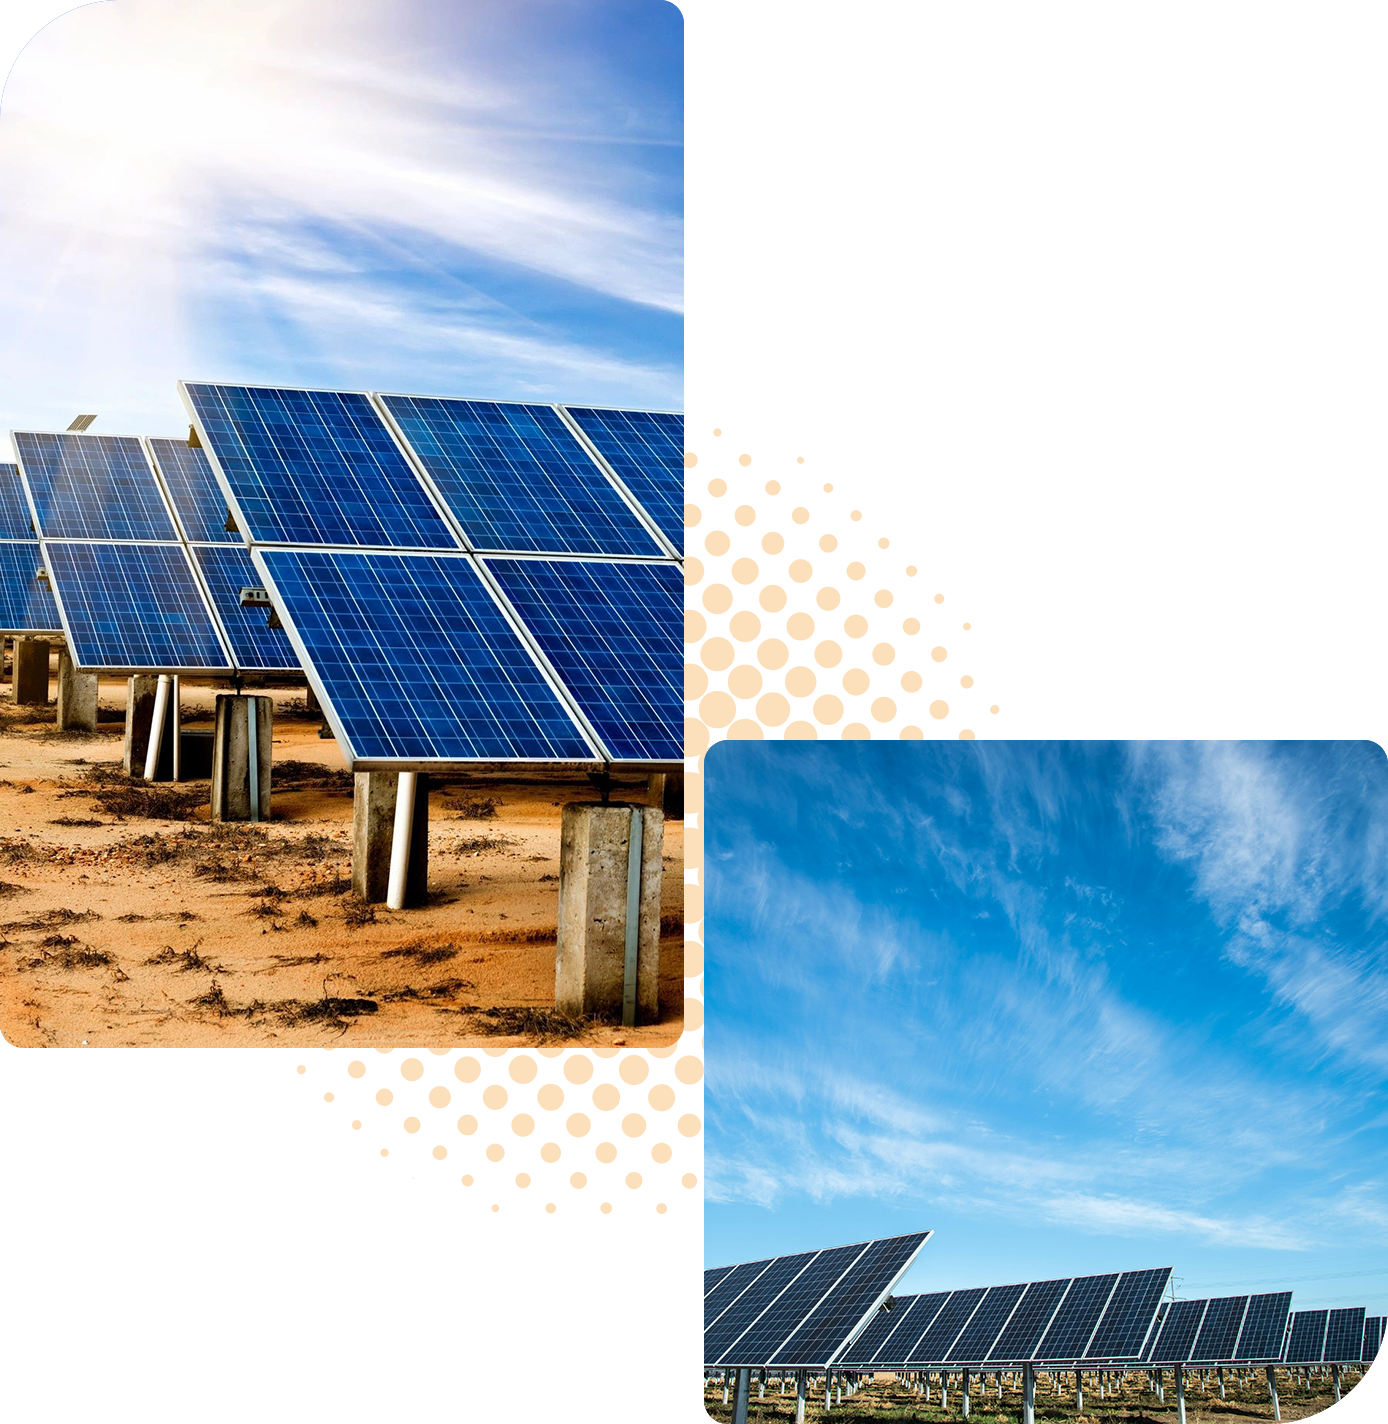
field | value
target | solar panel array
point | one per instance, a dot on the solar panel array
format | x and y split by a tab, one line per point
1083	1318
1373	1337
26	605
645	450
591	628
132	595
804	1309
1226	1329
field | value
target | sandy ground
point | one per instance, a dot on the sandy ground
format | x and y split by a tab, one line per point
127	919
890	1400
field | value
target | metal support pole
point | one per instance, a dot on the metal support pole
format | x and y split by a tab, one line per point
253	753
176	693
1028	1394
800	1397
400	842
966	1394
633	944
725	1386
1180	1394
1272	1390
156	726
1336	1371
1221	1381
1079	1393
744	1388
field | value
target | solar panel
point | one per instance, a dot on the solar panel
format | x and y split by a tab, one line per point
26	605
1077	1317
1033	1314
516	479
1172	1344
92	487
893	1332
1344	1335
1219	1331
1127	1321
255	647
313	467
14	508
1373	1337
612	633
645	450
976	1339
803	1309
1306	1339
197	498
414	661
1264	1327
133	608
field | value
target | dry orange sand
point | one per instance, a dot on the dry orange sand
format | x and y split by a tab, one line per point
120	930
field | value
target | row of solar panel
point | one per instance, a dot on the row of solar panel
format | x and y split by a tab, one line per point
1333	1337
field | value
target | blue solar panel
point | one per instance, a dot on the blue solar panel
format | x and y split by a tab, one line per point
1177	1335
759	1297
516	478
314	467
132	606
1264	1327
1075	1321
975	1341
255	646
892	1333
93	487
646	452
1306	1341
415	661
1219	1331
196	496
14	508
26	606
1128	1319
1344	1336
1029	1321
612	633
1373	1337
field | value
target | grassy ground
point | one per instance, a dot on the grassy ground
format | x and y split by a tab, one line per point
1129	1400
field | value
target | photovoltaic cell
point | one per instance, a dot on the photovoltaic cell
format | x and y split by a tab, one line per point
133	606
895	1330
1079	1313
415	661
731	1282
516	479
26	606
1306	1341
1264	1330
92	487
759	1297
1182	1324
314	467
1344	1336
944	1330
14	508
764	1342
1125	1325
256	647
713	1275
1219	1331
196	496
1029	1321
646	452
976	1340
1373	1337
612	632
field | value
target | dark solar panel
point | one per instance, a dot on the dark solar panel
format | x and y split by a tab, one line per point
255	646
895	1329
196	496
93	487
1178	1332
516	478
975	1341
133	606
1344	1335
1029	1321
731	1282
954	1315
645	450
1080	1311
840	1316
314	467
1373	1337
1219	1332
902	1342
761	1295
613	634
713	1275
1125	1324
1264	1330
415	661
1306	1340
26	605
763	1342
14	508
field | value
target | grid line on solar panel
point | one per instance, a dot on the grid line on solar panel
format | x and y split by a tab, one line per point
15	519
92	487
850	1306
762	1296
976	1339
26	606
255	647
645	450
1264	1330
1219	1331
1084	1304
313	467
1127	1319
516	479
945	1328
1030	1320
197	499
729	1286
1306	1339
713	1275
414	660
133	606
612	634
921	1311
764	1341
875	1341
1344	1336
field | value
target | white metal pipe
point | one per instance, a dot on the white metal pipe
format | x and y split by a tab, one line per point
400	843
156	726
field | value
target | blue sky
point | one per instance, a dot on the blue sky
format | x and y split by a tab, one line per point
1075	1006
482	198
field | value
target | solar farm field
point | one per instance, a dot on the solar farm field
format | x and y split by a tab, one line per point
126	918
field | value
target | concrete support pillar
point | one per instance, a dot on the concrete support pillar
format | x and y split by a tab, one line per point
139	713
240	766
595	877
666	790
76	696
29	684
1272	1391
373	830
743	1389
